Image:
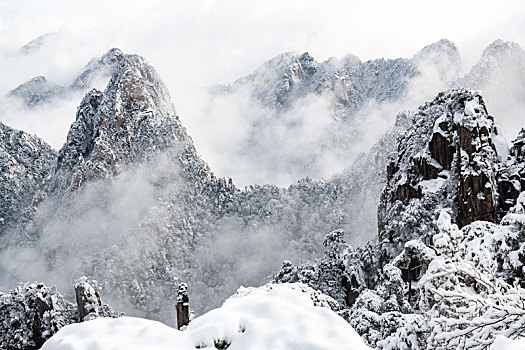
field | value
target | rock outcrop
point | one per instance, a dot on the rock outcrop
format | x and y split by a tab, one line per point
454	158
25	161
33	312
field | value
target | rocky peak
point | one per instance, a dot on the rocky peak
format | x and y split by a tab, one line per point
440	47
102	66
36	91
446	160
279	79
131	120
502	61
308	64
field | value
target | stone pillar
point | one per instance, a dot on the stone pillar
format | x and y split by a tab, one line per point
88	299
183	307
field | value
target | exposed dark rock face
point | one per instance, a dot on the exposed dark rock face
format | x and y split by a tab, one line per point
451	159
518	147
448	160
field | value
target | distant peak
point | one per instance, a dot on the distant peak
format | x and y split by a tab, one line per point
499	47
35	45
37	90
38	79
102	66
440	46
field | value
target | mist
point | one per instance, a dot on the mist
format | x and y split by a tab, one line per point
141	249
194	46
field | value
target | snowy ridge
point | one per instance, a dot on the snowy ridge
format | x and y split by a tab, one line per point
351	82
321	111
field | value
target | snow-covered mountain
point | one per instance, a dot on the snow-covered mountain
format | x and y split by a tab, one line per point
351	83
37	90
127	143
129	202
320	112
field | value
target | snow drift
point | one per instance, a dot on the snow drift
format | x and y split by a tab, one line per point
268	317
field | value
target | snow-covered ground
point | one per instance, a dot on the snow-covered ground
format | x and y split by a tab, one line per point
504	343
268	317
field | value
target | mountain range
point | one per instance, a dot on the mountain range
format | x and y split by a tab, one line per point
129	202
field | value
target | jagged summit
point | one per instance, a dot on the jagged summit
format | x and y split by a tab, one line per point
453	157
443	45
274	81
128	122
102	66
497	58
443	55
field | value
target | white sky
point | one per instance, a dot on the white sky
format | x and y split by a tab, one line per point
224	39
193	44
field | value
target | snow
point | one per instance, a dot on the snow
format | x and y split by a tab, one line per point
504	343
471	107
458	117
500	142
433	185
442	119
269	317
